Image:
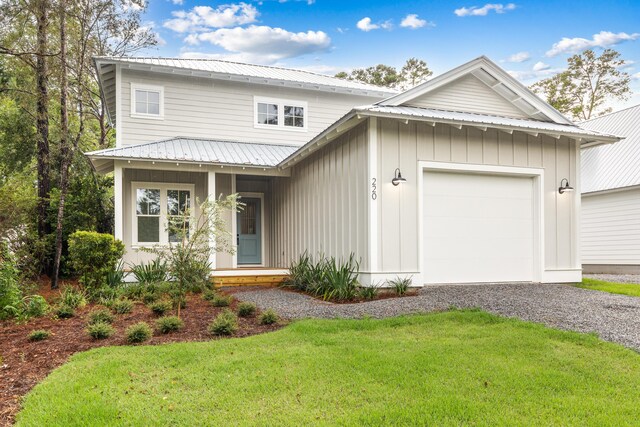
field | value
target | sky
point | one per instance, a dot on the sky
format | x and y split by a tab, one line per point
530	39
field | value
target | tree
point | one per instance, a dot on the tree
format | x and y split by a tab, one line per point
587	85
414	72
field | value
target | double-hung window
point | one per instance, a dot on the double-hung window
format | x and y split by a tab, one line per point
162	213
271	113
147	101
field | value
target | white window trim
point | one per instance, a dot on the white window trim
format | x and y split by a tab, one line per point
163	187
139	86
281	103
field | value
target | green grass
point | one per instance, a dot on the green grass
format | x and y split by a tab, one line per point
611	287
451	368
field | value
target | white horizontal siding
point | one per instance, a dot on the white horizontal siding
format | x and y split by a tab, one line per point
611	228
216	109
468	94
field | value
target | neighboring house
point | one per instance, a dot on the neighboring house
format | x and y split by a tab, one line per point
610	223
456	180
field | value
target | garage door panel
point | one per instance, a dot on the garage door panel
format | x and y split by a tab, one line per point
477	228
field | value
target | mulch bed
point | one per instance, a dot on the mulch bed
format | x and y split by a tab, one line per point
23	363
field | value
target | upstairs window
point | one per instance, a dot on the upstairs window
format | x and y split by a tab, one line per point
280	114
147	101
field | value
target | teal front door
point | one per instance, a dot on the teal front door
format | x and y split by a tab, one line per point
250	232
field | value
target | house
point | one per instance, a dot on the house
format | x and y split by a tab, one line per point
610	223
464	178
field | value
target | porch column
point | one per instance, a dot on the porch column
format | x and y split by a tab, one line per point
118	201
211	195
234	225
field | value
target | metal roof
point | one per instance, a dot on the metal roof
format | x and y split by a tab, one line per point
454	117
195	150
265	74
613	166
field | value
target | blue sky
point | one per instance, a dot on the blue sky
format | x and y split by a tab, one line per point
531	39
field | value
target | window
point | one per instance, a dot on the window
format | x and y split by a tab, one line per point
280	114
147	101
163	213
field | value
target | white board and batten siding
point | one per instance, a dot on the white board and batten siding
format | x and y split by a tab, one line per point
210	108
610	228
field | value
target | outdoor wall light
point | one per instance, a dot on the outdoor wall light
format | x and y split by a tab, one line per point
564	186
398	179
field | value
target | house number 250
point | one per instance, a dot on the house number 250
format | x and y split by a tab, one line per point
374	187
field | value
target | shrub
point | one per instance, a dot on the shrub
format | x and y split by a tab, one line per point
39	335
93	255
138	332
64	312
169	324
209	295
134	291
100	316
246	309
226	323
161	307
368	292
221	300
34	306
122	306
104	295
115	276
268	317
72	297
100	330
327	278
400	285
10	294
153	272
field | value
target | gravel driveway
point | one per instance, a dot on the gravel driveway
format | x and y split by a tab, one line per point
613	317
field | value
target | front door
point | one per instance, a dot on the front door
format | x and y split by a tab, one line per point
250	232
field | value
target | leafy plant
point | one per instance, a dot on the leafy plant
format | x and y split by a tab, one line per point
94	255
246	309
100	316
150	297
10	293
268	317
72	297
209	295
138	332
169	324
226	323
100	330
64	312
39	335
115	276
34	306
152	272
122	306
400	285
327	278
368	292
220	300
135	291
161	307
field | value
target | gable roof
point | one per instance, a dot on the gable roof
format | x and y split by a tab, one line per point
617	165
497	79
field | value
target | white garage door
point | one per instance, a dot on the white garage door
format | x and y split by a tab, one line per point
477	228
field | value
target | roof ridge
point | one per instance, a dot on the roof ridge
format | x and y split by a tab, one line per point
610	113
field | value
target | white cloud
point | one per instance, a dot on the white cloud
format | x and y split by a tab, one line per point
366	25
484	10
603	39
202	18
540	66
263	44
636	76
412	21
519	57
178	2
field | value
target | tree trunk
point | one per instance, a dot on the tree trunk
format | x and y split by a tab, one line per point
66	153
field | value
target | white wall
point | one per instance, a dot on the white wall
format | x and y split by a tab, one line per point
208	108
611	227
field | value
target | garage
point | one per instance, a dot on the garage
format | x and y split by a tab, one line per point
478	227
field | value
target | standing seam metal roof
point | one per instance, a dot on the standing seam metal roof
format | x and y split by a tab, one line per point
617	165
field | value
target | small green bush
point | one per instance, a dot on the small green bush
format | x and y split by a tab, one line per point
169	324
10	293
153	272
221	300
226	323
94	255
134	291
34	306
72	297
328	278
103	294
268	317
100	316
246	309
368	292
209	295
150	297
138	332
122	306
39	335
161	307
100	330
400	285
64	312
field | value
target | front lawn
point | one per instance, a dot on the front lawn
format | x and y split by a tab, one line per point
452	368
630	289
